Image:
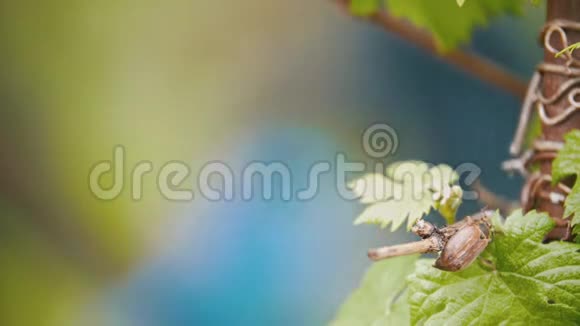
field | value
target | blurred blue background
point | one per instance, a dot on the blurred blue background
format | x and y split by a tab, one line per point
296	82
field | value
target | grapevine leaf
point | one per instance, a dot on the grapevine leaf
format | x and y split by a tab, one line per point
381	298
442	176
364	7
572	207
408	191
576	230
449	23
448	201
534	131
568	161
521	282
565	165
395	211
374	187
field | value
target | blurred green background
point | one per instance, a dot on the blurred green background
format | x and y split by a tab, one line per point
294	81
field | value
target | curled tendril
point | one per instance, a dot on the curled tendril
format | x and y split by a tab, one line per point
568	50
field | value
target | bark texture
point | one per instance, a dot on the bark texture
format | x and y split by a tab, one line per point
557	100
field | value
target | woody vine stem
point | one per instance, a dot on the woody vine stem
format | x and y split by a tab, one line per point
553	94
487	269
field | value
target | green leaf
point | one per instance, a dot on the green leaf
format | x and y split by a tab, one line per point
408	191
534	131
395	212
576	230
568	161
364	7
449	23
572	206
522	281
567	164
381	299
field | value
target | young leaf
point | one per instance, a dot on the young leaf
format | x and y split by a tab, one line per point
406	192
460	3
381	299
449	23
374	187
519	280
396	211
565	165
448	201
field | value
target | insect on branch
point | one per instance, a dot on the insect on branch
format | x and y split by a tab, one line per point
459	244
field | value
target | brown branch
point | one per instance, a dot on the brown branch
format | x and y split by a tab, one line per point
431	244
494	201
467	61
434	239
